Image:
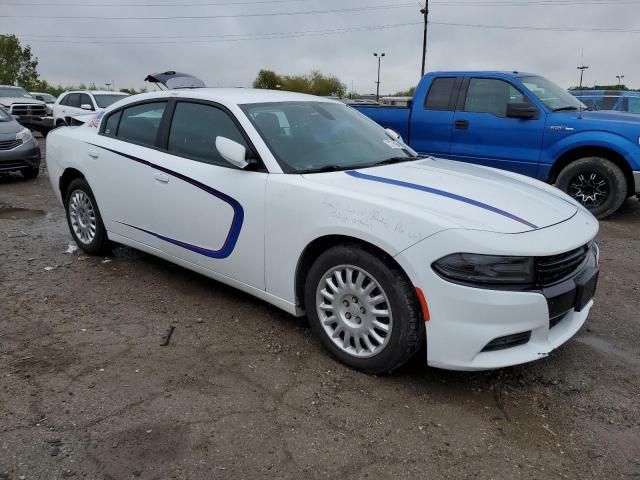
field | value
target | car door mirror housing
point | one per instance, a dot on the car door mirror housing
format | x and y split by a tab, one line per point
232	152
522	110
86	106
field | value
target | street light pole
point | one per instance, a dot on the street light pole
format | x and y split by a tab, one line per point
619	77
425	13
378	82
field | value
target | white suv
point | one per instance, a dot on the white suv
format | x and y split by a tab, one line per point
79	102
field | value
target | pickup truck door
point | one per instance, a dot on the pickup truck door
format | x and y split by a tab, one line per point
431	123
207	212
483	134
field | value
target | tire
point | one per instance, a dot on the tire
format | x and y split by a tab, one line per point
44	132
406	334
82	211
30	173
587	178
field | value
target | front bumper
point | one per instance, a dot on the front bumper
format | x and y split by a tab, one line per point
35	122
465	321
26	155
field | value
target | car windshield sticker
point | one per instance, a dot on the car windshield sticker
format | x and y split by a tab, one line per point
392	143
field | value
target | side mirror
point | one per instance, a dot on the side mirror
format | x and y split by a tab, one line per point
232	152
522	110
86	106
393	135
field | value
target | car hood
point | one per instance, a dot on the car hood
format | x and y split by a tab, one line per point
9	129
11	100
460	195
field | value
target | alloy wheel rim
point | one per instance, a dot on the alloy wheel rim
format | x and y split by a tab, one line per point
354	311
589	188
83	216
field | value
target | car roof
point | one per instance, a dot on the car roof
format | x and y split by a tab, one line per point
99	92
237	96
473	73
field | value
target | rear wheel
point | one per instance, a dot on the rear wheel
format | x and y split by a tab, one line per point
83	217
597	183
363	310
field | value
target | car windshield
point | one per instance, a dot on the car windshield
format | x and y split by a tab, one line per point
4	116
45	97
14	92
104	101
553	96
316	136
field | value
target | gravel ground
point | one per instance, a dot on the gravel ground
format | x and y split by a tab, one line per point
244	391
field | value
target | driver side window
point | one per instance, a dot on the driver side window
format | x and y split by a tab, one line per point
193	132
490	95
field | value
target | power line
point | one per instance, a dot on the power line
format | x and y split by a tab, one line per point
227	37
538	28
106	4
239	15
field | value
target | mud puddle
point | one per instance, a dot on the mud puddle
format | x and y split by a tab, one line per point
12	213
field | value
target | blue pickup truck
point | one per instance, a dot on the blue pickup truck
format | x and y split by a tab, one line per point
524	123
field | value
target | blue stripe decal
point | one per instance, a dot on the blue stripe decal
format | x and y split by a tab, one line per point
236	223
435	191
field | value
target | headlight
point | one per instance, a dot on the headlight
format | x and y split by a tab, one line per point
24	135
487	270
49	110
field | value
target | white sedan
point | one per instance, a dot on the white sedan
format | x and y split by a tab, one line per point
308	205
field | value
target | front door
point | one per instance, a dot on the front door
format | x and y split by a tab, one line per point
483	134
206	211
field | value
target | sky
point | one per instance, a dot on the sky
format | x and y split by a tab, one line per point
226	42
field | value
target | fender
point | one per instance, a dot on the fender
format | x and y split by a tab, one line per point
592	138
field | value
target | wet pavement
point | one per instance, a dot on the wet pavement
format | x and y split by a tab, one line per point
244	391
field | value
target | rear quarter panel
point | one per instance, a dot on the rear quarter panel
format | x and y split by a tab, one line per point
65	149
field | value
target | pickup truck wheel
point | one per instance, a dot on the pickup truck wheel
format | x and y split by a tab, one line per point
597	183
84	219
364	311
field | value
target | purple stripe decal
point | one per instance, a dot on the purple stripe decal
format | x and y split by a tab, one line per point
435	191
236	223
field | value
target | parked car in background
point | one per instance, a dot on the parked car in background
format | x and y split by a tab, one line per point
524	123
19	151
44	97
79	102
306	204
30	112
616	100
395	101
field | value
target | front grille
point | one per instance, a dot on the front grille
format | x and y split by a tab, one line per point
9	144
10	166
554	268
508	341
35	110
556	320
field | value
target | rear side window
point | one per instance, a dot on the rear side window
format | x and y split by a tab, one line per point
111	125
194	129
140	123
439	95
73	100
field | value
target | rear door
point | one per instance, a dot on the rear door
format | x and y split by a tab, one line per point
483	134
431	123
206	211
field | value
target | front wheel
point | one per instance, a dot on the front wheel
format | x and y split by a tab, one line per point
83	217
595	182
364	310
31	172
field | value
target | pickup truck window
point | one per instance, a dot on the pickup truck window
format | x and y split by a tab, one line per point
73	100
439	95
553	96
111	125
490	95
194	129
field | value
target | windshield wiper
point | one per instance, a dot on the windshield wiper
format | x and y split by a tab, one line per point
568	108
325	168
392	160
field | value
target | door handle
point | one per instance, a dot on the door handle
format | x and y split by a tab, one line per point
461	124
161	177
94	154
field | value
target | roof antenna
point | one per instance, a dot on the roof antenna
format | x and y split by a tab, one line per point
582	68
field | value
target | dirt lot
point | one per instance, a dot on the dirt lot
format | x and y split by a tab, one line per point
244	391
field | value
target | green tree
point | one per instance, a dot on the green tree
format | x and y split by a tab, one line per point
405	93
267	79
17	63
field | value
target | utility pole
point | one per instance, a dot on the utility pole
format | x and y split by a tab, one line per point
619	77
425	13
378	82
582	68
